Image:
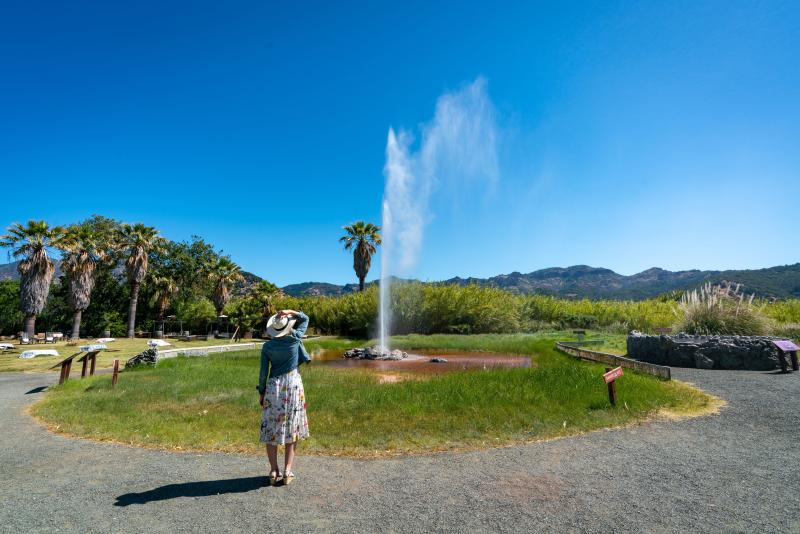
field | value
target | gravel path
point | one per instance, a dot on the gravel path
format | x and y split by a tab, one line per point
736	471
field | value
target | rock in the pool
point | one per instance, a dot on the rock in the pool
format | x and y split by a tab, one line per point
438	360
374	353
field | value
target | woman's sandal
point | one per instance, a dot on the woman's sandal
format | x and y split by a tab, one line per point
274	478
288	476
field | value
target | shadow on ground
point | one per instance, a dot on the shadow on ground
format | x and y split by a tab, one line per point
193	489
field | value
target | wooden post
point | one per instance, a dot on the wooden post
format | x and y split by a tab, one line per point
94	361
84	366
784	364
612	390
61	377
116	374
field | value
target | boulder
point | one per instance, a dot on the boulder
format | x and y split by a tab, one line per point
146	357
703	362
374	353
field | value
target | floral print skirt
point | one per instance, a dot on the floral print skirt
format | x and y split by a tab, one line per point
283	419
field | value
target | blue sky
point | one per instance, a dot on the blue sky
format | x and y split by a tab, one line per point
631	134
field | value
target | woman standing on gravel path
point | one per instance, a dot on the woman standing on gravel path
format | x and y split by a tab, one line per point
280	388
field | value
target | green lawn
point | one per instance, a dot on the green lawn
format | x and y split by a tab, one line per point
211	403
508	343
122	348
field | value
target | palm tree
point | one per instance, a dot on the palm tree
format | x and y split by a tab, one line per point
363	238
83	249
36	268
165	290
223	273
264	293
137	241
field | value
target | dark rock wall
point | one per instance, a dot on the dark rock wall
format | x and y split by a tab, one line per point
754	353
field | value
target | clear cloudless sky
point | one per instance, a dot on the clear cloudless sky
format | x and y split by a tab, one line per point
632	134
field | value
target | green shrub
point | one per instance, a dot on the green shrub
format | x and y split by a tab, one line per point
115	324
579	321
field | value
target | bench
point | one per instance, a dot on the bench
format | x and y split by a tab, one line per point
663	331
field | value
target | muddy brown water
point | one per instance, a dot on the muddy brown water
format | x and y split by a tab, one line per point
418	361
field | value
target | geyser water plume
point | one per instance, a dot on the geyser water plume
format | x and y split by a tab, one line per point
458	147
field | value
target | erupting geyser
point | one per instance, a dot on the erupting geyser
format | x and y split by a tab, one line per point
457	147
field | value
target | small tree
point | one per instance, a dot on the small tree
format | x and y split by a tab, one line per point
245	313
164	290
223	273
265	293
362	238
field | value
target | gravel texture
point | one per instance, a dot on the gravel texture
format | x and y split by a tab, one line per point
736	471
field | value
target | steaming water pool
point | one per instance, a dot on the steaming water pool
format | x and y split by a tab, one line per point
419	361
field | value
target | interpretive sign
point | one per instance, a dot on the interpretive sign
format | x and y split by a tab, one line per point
785	345
612	375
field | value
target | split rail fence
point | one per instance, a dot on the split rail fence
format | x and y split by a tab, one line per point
572	349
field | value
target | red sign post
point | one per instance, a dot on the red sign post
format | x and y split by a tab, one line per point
610	376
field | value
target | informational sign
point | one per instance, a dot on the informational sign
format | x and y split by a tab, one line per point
94	346
785	345
612	375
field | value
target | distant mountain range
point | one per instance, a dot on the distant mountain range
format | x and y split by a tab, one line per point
582	281
8	271
579	281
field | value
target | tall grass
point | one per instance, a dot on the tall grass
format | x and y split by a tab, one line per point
722	309
430	309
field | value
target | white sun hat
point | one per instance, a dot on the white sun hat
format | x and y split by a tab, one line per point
280	326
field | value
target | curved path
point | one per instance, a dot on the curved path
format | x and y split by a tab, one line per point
736	471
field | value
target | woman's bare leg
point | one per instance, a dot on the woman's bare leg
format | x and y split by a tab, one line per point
272	455
289	457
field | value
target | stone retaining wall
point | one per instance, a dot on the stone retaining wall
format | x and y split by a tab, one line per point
754	353
206	350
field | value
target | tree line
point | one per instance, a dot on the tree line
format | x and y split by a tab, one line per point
108	265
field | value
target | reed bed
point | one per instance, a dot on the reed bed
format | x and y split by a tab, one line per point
450	309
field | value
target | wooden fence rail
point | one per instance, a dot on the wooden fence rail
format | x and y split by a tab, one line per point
660	371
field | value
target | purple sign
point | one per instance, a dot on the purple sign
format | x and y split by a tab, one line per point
785	345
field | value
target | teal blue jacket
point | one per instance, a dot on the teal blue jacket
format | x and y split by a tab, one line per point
282	354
